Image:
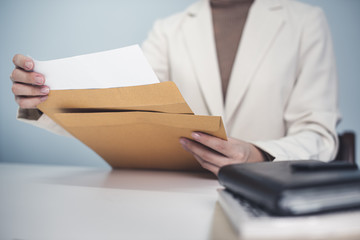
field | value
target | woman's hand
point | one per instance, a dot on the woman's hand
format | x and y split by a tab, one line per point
212	153
28	86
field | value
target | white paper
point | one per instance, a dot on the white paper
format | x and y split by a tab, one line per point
121	67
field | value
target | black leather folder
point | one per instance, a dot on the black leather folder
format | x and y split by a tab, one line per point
290	188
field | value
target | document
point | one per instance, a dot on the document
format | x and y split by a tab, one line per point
120	67
113	102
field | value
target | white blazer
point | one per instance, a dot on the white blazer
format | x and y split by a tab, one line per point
282	94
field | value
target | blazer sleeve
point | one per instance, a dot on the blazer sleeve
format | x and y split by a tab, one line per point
311	114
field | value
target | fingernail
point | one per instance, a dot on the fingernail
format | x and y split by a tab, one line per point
195	135
184	144
39	80
183	141
42	99
29	65
45	90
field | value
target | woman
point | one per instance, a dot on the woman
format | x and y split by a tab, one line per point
266	66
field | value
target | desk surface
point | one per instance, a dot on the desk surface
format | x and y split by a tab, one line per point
56	202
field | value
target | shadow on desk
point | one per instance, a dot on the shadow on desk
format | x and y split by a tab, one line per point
169	181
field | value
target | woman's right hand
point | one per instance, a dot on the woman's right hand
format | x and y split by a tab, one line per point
28	86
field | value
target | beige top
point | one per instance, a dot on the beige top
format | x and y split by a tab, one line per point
229	17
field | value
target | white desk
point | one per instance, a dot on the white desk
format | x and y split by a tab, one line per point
51	202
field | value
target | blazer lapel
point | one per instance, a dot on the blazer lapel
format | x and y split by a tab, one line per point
199	38
261	28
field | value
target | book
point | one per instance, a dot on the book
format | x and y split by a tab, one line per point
291	188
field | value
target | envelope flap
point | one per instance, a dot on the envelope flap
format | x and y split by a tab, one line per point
159	97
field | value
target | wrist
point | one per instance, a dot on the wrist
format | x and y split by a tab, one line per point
256	154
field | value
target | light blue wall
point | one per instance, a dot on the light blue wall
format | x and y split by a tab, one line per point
55	29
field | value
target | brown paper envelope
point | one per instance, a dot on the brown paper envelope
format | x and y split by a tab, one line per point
132	127
140	139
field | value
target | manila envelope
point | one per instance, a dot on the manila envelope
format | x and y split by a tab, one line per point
132	127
